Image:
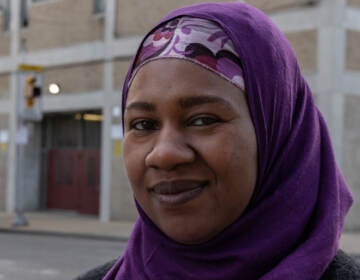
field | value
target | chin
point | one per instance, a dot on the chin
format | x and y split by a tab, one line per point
188	236
187	239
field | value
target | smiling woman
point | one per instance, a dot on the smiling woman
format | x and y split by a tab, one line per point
188	186
230	161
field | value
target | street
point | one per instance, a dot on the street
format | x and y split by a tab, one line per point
37	257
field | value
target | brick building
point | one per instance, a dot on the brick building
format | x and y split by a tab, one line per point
85	47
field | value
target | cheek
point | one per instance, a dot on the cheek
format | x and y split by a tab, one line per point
234	164
219	157
242	166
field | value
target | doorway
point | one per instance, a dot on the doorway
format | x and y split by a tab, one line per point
71	157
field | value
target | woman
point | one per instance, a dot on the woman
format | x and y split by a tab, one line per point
229	159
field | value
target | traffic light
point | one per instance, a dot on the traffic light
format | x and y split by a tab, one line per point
31	91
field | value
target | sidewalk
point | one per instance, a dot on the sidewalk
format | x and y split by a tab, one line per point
67	224
350	242
76	225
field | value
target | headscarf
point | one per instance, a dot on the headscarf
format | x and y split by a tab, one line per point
291	228
196	40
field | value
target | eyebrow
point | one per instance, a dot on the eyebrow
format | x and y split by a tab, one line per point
184	102
193	101
141	106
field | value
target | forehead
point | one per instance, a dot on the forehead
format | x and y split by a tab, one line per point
169	77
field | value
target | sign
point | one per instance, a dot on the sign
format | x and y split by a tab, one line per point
22	135
117	148
116	132
4	139
30	68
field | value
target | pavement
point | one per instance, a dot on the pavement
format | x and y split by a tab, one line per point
67	223
62	223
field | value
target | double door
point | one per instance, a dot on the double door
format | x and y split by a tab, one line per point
73	180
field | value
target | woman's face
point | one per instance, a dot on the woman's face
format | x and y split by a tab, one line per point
190	149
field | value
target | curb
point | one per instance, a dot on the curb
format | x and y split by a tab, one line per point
65	234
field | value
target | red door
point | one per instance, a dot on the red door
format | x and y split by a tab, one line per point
88	200
73	180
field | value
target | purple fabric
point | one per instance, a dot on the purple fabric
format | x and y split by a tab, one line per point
292	226
198	40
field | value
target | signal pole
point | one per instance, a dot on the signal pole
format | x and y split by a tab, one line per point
29	109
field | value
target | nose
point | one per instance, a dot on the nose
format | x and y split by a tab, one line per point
169	151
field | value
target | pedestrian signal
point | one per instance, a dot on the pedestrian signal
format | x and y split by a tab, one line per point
31	91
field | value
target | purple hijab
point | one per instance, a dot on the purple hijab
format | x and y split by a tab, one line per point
291	228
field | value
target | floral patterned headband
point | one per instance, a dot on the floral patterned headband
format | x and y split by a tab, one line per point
197	40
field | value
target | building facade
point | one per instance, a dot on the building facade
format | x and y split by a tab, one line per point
72	159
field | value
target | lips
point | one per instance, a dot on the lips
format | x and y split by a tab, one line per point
177	192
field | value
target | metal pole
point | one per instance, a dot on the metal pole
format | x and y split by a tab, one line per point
20	219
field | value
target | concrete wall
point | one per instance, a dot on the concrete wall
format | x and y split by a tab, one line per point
2	20
122	201
54	24
269	6
120	69
4	37
351	138
351	149
351	154
4	86
135	17
4	43
152	11
353	50
305	46
75	78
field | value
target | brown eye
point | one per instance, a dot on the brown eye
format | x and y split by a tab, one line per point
144	125
204	120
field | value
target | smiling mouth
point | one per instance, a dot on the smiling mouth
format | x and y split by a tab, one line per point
177	192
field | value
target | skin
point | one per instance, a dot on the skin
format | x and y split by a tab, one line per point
190	149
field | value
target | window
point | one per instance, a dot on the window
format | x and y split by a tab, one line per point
4	9
24	15
99	6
